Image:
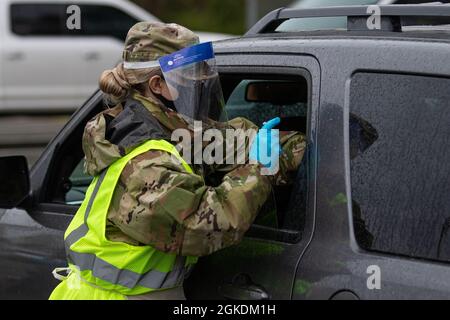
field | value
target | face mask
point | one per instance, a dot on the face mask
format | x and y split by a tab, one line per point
167	103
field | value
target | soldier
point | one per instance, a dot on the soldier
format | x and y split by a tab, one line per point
147	218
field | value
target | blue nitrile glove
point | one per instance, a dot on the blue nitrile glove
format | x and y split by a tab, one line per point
263	143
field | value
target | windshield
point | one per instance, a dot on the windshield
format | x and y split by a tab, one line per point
308	24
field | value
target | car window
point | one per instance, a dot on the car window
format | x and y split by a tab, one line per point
37	19
102	20
417	1
340	23
322	23
400	168
260	111
329	3
43	19
79	183
260	99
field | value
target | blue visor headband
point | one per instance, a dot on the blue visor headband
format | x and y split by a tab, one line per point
187	56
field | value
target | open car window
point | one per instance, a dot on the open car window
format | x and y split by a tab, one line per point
79	182
260	98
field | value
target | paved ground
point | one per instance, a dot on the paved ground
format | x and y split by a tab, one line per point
28	135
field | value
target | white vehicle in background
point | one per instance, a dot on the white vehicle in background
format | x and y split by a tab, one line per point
44	66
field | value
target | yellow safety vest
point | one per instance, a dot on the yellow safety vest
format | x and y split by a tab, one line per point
116	268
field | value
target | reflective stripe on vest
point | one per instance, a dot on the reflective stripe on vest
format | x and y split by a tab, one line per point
118	266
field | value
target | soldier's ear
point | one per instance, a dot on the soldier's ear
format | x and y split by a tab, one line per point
156	84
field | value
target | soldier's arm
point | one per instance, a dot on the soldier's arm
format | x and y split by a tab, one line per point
163	206
226	212
293	145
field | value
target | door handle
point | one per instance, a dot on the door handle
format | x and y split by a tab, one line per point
243	288
92	56
15	56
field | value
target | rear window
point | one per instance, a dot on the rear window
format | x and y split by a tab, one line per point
400	168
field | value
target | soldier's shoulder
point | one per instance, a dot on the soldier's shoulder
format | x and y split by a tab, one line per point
98	119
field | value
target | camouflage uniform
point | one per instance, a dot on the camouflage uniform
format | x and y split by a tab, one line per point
156	202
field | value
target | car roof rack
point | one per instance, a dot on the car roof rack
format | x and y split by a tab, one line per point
391	16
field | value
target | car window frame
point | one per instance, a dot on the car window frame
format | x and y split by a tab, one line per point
260	232
281	235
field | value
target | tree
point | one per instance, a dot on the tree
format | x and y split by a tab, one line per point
224	16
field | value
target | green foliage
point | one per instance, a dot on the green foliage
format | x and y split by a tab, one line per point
223	16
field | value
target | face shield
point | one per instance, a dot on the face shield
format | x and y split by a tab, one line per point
194	84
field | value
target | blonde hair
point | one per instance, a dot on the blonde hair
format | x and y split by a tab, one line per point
117	83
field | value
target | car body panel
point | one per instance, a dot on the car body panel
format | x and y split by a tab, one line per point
31	252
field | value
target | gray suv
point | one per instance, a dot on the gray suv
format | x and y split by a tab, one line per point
368	216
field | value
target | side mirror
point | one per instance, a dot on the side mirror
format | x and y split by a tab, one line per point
14	181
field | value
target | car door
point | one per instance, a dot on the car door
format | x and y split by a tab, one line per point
40	64
31	237
382	183
104	28
32	243
30	250
264	264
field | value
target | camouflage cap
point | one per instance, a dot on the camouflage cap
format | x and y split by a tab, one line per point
148	41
